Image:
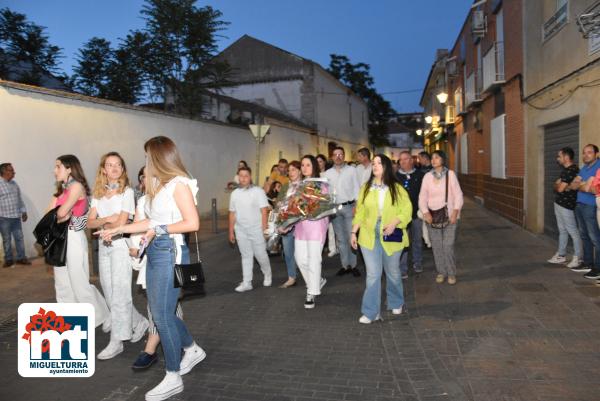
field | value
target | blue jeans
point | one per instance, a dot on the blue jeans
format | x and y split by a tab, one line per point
415	234
567	225
590	234
12	227
162	298
376	260
342	225
288	252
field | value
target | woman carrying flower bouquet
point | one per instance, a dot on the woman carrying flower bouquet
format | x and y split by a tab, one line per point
383	211
287	239
309	240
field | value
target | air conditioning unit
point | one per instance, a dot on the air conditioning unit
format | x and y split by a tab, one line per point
478	23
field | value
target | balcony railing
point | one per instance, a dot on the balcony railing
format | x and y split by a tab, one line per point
473	88
493	66
556	22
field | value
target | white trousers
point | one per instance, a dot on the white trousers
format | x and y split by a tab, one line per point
115	277
308	259
251	243
331	239
72	282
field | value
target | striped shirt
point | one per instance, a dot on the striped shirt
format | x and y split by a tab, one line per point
11	203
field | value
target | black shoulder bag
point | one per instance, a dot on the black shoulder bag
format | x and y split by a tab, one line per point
190	277
440	217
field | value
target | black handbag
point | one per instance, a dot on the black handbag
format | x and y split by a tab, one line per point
440	217
190	277
52	236
396	236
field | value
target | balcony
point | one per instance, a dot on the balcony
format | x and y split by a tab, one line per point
493	67
473	88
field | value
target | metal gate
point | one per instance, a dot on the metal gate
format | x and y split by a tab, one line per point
556	136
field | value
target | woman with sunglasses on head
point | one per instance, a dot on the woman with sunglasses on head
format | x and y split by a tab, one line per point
440	189
72	281
171	210
383	209
112	205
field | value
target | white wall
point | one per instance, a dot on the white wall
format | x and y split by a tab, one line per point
36	128
280	95
333	111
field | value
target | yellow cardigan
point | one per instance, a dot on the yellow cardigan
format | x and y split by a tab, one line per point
366	215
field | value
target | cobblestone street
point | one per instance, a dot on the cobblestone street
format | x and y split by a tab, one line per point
513	328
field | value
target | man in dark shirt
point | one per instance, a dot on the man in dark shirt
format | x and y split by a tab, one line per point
565	200
425	162
411	179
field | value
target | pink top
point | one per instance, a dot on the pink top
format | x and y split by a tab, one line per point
596	183
312	230
433	193
80	207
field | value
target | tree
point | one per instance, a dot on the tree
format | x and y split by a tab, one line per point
358	78
91	74
25	50
127	69
182	42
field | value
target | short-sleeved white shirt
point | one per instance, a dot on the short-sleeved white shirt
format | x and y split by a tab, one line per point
123	202
247	203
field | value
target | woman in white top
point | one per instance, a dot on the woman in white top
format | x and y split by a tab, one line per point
171	209
112	204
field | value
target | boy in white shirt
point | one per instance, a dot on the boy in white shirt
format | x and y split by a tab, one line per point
248	208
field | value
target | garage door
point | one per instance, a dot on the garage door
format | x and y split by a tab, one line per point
556	136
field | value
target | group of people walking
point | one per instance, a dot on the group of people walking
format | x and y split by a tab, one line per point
577	211
381	214
166	209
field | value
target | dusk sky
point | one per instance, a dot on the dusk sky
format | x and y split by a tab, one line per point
398	38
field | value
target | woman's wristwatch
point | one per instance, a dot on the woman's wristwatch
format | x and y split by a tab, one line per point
161	230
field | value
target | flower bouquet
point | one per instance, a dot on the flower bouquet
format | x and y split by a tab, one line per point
312	200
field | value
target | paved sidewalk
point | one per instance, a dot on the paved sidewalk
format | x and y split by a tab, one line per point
513	328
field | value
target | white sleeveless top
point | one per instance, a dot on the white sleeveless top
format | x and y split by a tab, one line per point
163	209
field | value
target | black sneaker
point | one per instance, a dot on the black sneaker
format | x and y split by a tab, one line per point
342	271
144	361
592	275
355	272
581	269
310	302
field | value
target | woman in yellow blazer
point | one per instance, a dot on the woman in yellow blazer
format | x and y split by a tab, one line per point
382	207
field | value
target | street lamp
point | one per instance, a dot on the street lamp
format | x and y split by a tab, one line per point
259	131
419	132
442	97
428	119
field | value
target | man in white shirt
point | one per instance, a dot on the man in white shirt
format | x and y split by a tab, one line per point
248	208
363	170
344	180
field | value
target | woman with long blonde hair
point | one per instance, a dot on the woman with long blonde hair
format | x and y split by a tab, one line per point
171	212
112	205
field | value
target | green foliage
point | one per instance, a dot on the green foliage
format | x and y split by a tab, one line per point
25	51
358	78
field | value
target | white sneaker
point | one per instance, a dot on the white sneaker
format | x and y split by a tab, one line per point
113	349
106	326
243	287
398	311
575	262
557	259
323	282
168	387
140	330
365	320
332	253
267	281
192	356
